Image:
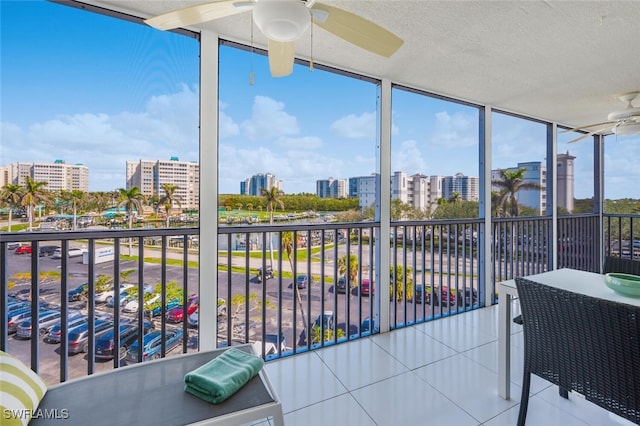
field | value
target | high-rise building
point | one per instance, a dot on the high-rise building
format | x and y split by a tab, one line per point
364	187
467	186
565	181
58	175
256	183
150	175
536	173
331	188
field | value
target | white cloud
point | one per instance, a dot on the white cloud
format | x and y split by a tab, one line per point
408	158
356	126
298	169
459	130
269	120
306	142
167	127
226	126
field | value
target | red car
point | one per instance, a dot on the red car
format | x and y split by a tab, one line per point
177	314
366	288
23	250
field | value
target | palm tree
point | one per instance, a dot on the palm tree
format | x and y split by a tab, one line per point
11	194
75	196
510	182
33	195
169	198
130	199
352	269
455	197
287	243
273	199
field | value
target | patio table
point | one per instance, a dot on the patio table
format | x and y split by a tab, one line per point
587	283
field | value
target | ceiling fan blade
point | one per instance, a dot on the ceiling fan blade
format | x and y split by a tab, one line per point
586	127
589	134
198	14
281	57
356	30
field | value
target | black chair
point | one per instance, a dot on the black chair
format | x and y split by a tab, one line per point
622	265
583	344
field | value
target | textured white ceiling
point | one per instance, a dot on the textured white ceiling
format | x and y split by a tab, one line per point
562	61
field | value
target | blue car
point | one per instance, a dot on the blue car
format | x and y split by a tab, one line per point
77	292
152	345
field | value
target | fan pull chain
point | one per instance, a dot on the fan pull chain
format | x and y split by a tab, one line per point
311	49
251	80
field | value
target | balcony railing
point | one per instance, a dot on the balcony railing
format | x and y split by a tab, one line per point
291	288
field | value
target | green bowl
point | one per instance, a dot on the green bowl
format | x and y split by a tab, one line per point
624	284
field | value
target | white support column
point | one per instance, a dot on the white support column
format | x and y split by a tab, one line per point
208	280
485	170
384	207
554	192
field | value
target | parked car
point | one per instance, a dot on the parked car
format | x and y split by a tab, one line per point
365	287
46	321
108	296
23	250
192	320
16	317
177	314
18	305
55	334
467	296
77	292
105	343
268	274
13	245
303	280
152	345
444	296
341	285
79	336
71	252
157	307
47	250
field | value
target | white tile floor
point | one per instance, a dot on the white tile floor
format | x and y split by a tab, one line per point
436	373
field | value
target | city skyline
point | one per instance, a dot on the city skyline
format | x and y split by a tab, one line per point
105	113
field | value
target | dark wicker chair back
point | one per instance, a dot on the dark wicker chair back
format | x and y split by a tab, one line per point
584	344
620	264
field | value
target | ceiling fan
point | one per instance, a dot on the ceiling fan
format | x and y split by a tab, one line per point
622	123
283	22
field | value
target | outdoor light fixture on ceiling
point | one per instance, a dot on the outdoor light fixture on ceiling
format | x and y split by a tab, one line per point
282	20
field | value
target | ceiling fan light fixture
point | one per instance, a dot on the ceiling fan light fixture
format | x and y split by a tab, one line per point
627	129
282	20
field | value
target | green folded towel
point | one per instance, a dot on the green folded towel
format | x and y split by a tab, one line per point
223	376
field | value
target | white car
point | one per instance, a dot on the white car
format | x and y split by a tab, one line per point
71	252
132	305
107	296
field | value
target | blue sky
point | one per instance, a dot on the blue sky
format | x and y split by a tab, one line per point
98	91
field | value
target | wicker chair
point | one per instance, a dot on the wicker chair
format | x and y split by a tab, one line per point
620	264
583	344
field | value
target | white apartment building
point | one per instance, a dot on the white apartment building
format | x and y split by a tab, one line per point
536	172
331	188
419	191
150	175
58	175
365	188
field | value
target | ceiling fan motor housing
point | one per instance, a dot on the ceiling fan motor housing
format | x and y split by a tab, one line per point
282	20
